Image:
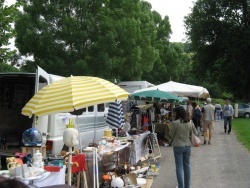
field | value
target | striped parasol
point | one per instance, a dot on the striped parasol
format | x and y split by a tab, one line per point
73	93
115	115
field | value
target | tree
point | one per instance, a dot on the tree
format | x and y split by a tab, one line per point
7	17
173	62
4	67
109	39
220	38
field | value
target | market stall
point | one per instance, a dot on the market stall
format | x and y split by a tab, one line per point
162	130
180	89
137	157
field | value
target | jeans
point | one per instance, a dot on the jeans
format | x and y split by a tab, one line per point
228	120
218	115
182	163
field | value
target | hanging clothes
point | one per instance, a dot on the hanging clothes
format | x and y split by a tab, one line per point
145	123
152	115
115	115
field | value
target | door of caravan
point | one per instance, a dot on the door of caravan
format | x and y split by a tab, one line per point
42	79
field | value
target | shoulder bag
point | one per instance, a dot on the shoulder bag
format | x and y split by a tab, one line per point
195	140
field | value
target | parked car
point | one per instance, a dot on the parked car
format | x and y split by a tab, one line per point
244	110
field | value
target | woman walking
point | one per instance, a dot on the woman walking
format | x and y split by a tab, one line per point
180	131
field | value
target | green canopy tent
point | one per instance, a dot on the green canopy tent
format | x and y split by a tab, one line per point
154	96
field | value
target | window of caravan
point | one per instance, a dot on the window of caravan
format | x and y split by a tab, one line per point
42	82
100	107
91	109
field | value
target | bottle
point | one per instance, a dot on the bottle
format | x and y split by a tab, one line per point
37	159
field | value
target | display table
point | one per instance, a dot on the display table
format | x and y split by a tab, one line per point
138	148
162	130
49	179
45	179
32	150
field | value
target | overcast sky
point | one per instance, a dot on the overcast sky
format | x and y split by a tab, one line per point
175	10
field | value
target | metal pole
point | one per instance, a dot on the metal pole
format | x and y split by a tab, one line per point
69	165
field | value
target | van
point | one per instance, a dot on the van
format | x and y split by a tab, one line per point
17	88
130	87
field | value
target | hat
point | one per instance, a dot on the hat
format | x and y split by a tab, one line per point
209	100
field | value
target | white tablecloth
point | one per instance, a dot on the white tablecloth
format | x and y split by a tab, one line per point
138	149
50	178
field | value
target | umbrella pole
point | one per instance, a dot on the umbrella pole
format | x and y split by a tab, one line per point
97	171
95	125
116	133
80	141
69	165
94	177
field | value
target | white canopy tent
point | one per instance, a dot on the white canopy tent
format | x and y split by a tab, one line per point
180	89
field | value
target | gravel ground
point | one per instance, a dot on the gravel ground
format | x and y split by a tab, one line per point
223	164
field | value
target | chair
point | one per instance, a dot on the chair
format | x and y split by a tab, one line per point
81	169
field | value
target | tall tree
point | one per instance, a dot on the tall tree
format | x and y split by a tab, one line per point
109	39
7	16
220	36
173	62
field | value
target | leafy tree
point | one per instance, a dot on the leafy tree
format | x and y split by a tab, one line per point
7	17
173	62
109	39
4	67
220	39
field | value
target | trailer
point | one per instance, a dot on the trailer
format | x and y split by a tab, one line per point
16	88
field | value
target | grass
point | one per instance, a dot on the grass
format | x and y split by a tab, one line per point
241	126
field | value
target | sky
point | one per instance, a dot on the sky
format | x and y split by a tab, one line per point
175	10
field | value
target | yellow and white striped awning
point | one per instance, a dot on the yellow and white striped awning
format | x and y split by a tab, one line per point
73	93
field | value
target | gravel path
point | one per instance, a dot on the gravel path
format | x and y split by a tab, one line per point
223	164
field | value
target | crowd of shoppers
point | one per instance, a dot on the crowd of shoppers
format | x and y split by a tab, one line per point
200	121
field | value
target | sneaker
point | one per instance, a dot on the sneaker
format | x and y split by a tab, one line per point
228	132
205	142
225	130
209	143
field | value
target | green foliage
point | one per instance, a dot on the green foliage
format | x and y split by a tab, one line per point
227	95
7	17
242	130
173	64
219	35
7	68
109	39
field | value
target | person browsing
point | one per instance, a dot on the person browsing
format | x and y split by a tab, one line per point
208	114
180	130
228	113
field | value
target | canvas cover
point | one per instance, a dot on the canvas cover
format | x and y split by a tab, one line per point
180	89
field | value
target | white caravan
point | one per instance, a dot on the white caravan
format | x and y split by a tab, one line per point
131	86
17	88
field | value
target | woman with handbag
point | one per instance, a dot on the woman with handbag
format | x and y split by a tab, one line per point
180	130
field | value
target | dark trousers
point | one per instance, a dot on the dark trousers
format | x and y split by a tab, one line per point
197	123
228	120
